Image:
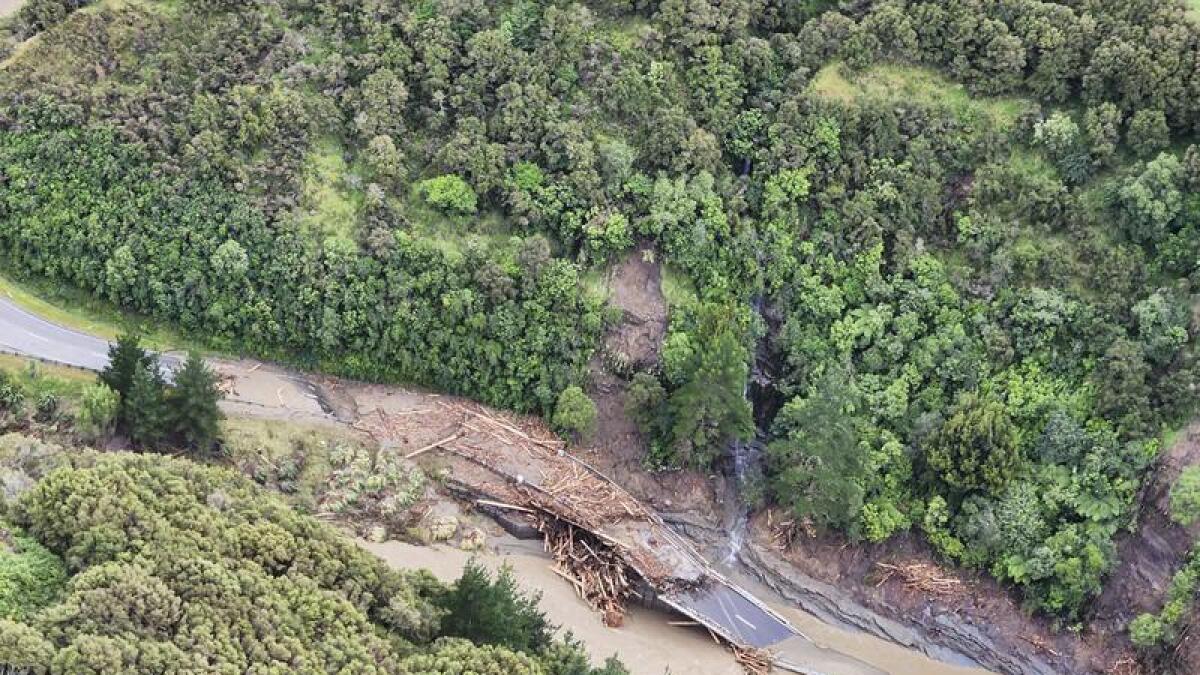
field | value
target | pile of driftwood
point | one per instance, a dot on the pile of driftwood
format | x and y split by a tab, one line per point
579	495
226	384
922	577
1127	664
598	573
753	661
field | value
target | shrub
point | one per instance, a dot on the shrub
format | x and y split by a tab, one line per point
574	413
47	408
12	399
977	448
375	484
98	409
23	648
453	656
199	567
30	575
1185	496
494	612
1146	631
449	193
1148	132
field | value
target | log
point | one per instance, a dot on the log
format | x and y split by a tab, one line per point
502	505
431	446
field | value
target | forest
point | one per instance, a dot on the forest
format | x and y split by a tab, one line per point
961	234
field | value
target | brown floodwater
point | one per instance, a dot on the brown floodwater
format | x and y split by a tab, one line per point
648	643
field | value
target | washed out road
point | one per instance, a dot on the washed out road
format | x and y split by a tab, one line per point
721	606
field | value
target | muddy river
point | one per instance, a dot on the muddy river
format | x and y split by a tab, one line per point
651	642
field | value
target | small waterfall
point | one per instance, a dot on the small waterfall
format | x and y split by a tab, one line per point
747	461
748	455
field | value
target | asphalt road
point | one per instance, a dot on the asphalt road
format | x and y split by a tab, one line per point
726	609
30	335
745	622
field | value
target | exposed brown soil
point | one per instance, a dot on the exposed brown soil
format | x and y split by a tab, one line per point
1150	555
867	573
529	468
255	389
617	447
635	288
1147	559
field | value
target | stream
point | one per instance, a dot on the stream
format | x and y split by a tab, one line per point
656	642
651	641
747	456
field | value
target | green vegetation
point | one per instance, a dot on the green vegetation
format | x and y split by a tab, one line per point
970	228
1185	497
907	84
99	407
71	308
449	193
38	379
175	567
490	611
574	413
1154	632
328	207
30	575
148	411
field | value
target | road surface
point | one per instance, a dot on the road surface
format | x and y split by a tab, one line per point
252	388
24	333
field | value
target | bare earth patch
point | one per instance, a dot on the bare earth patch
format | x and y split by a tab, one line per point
635	344
1149	556
635	288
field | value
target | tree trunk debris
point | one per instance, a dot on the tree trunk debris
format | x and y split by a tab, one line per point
922	577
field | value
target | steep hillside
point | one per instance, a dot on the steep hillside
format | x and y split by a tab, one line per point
969	228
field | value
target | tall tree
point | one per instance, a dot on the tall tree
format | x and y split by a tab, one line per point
978	448
708	409
144	408
494	612
193	413
819	465
125	358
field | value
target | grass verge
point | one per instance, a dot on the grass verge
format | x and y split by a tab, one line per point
39	378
